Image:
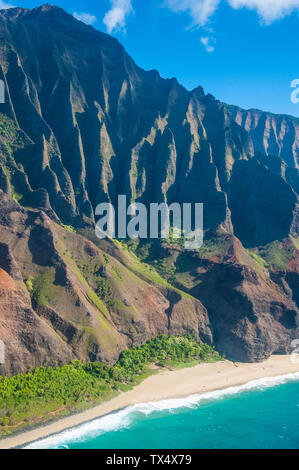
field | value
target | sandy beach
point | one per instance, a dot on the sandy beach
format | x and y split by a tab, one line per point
166	385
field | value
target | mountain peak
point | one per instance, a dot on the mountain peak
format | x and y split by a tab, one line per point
15	12
54	17
42	10
47	7
44	7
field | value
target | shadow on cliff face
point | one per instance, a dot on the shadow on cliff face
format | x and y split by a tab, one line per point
8	263
250	319
41	246
261	204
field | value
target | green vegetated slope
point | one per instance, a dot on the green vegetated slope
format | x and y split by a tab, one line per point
12	139
27	399
184	270
240	288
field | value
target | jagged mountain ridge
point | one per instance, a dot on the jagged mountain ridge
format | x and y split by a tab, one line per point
272	134
98	126
83	123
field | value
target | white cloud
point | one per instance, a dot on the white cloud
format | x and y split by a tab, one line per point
115	18
5	5
208	42
269	10
86	18
199	10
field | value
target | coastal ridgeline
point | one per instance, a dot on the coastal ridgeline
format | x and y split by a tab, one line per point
83	124
27	399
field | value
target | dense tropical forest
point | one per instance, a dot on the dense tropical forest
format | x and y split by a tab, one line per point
43	393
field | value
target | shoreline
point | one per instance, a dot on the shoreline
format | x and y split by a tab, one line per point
166	385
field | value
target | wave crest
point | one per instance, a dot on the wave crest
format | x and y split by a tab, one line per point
123	418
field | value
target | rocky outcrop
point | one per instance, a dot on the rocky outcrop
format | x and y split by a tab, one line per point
28	340
68	301
252	318
253	307
271	134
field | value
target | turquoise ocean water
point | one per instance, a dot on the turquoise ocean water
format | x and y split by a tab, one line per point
259	415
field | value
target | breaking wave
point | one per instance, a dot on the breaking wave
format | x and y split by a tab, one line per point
123	418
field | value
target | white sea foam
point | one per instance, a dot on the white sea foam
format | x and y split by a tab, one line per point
123	418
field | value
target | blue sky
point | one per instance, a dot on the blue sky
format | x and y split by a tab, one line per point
244	52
